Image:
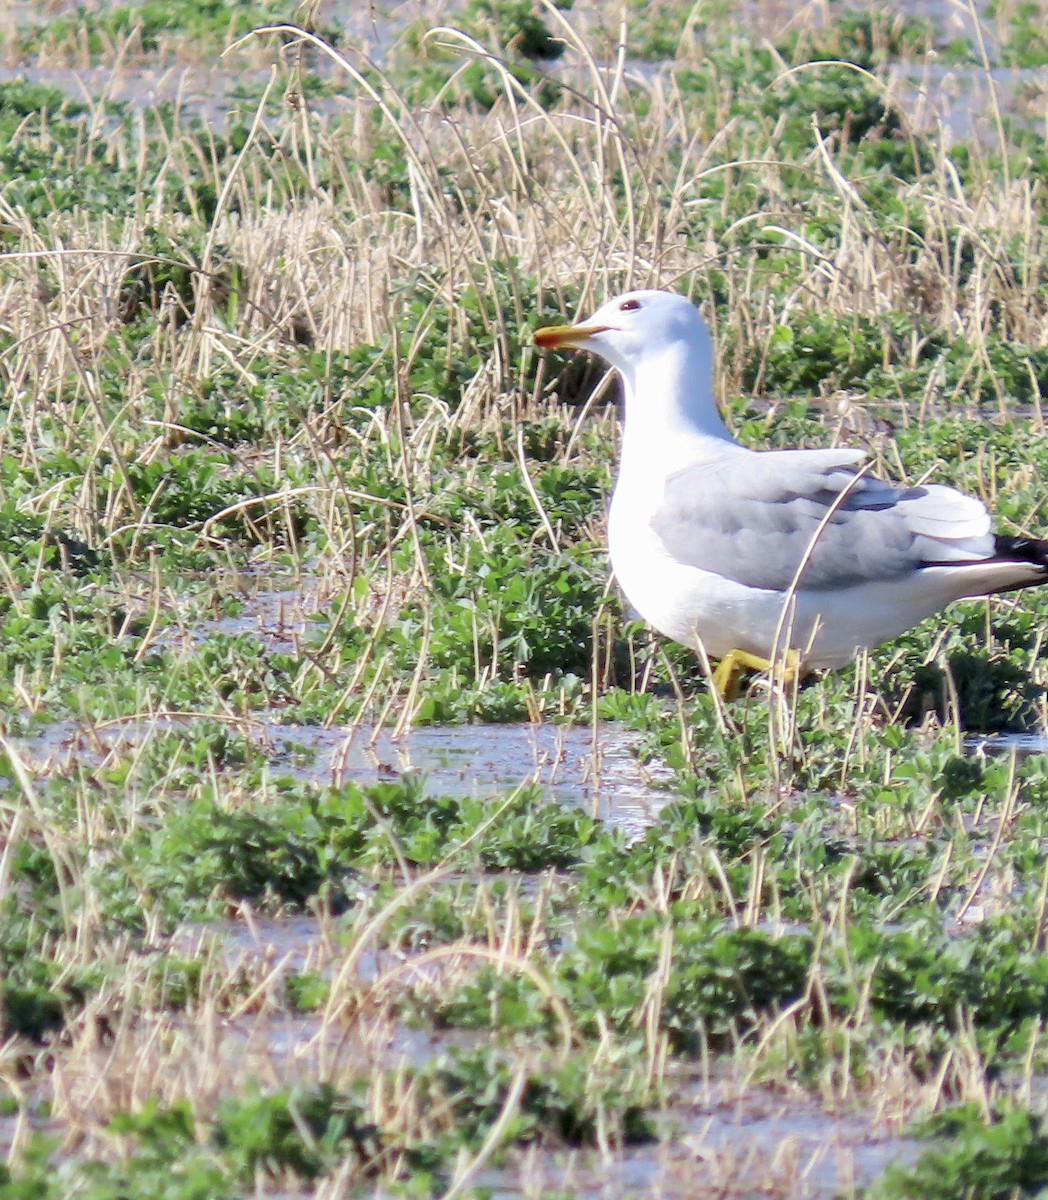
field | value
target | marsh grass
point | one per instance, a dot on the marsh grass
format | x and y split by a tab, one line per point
291	353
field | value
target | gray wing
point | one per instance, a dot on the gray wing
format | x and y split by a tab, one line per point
754	516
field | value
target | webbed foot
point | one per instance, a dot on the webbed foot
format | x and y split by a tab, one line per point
731	667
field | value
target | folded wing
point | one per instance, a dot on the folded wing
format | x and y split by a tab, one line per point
756	517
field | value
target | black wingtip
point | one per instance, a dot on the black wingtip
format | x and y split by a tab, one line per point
1021	549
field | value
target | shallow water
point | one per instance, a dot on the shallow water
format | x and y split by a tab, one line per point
758	1145
1023	743
302	945
311	1042
274	609
959	99
930	94
596	770
592	769
713	1134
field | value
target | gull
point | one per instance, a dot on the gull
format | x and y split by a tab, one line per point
760	557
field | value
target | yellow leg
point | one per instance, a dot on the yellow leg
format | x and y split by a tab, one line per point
731	666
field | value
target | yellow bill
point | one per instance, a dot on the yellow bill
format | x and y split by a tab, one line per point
556	337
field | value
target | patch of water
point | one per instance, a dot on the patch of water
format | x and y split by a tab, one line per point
304	945
270	949
959	98
202	88
929	93
307	1046
714	1137
300	944
761	1145
276	615
1022	743
594	769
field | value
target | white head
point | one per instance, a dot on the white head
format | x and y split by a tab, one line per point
660	346
638	327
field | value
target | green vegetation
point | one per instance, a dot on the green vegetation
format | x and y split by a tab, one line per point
1006	1155
280	470
152	28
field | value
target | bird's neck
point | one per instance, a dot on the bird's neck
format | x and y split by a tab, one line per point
671	418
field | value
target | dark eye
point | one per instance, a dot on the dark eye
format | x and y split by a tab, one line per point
629	306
